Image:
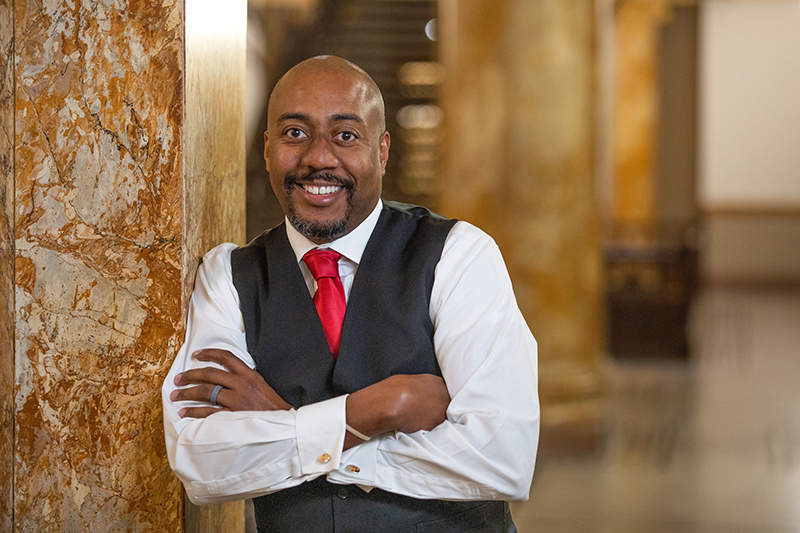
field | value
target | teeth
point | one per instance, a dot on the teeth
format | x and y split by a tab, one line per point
329	189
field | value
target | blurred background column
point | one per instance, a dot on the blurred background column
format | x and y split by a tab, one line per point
518	162
637	32
122	159
650	246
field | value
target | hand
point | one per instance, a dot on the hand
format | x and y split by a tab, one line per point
404	402
243	388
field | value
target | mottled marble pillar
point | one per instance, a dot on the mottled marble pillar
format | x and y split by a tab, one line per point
113	150
6	266
518	107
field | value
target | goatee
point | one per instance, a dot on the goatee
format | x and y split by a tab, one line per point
324	232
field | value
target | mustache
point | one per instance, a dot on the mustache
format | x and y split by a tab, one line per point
309	177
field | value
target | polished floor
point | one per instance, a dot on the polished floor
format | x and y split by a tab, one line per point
706	446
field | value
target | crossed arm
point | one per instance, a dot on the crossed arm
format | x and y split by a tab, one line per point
406	403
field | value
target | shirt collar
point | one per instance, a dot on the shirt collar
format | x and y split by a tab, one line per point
351	245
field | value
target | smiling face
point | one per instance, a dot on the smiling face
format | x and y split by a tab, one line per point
326	146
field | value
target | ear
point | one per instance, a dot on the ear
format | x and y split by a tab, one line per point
384	151
266	148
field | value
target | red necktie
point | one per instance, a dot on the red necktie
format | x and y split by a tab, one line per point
329	298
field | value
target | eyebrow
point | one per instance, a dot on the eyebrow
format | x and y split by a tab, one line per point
339	117
336	117
293	116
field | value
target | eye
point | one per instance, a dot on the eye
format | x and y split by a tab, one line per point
295	133
347	136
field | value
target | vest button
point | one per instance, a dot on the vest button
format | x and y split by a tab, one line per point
342	493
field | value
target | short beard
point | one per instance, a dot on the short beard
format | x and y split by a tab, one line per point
318	232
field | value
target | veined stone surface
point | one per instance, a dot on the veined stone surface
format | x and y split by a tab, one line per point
98	278
6	266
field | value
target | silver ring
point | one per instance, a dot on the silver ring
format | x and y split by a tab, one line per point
215	393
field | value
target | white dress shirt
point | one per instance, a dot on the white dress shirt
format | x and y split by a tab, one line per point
486	449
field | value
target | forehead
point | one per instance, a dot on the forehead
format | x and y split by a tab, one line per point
321	95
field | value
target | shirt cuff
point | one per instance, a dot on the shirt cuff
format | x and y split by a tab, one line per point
320	435
358	465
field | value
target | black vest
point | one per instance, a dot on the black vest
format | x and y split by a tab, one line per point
387	330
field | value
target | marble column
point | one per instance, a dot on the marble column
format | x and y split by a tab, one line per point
6	266
518	162
636	32
215	177
120	163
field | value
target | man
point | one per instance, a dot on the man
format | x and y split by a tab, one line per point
418	410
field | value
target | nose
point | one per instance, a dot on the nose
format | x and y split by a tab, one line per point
319	155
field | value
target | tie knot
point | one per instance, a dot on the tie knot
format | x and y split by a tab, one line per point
322	263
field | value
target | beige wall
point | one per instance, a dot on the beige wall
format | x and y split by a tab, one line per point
749	144
749	102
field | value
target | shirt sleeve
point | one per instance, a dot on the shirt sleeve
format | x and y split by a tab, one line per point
236	455
486	449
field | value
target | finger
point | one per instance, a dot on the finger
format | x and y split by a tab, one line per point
197	393
222	357
199	412
204	375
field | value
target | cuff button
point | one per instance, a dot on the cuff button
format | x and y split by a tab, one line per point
353	468
324	458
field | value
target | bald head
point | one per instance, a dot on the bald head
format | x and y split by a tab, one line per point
320	71
326	146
